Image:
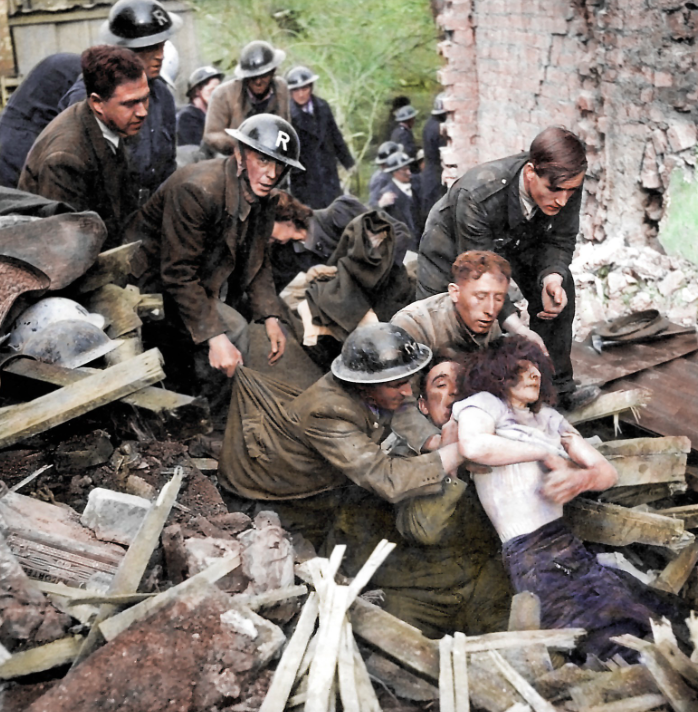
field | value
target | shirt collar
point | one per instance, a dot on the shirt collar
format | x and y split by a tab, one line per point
110	135
528	205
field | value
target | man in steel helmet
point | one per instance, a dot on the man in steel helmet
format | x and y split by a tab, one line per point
322	144
402	133
381	176
204	245
306	454
255	90
143	26
433	139
192	118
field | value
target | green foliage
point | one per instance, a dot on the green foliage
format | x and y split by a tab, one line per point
365	51
678	231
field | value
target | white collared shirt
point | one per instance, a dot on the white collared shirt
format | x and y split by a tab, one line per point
110	135
528	205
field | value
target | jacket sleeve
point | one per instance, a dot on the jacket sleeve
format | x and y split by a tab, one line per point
558	248
349	450
218	118
184	232
60	177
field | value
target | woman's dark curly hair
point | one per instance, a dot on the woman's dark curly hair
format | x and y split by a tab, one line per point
290	209
496	370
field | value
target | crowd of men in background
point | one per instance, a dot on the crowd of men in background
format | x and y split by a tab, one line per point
237	197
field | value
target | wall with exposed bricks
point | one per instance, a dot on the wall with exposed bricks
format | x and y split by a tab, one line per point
622	74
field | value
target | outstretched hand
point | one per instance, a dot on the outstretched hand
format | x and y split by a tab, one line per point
553	296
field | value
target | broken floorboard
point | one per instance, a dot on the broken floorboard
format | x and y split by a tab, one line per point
182	415
43	413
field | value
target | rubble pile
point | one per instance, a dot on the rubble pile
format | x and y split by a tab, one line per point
614	279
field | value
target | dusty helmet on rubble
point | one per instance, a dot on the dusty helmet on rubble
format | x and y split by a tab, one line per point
395	161
386	149
405	113
379	353
201	76
300	77
46	312
139	23
439	104
271	135
70	343
258	58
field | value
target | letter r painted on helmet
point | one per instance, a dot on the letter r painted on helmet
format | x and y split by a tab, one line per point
282	139
160	17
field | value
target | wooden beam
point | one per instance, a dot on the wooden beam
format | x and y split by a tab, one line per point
676	573
45	657
610	404
111	267
618	526
522	686
43	413
688	514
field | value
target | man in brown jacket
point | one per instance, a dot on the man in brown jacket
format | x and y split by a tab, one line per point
205	234
254	90
79	158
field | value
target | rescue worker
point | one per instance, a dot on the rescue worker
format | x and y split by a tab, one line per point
380	177
29	110
192	118
322	145
433	140
396	195
205	235
255	90
445	573
143	26
80	158
402	133
526	208
301	455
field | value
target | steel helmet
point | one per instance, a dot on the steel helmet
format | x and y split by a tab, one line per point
271	135
70	343
299	77
170	64
201	76
405	113
386	149
379	353
439	104
258	58
139	23
395	161
45	312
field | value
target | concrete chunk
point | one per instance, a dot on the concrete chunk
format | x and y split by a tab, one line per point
114	516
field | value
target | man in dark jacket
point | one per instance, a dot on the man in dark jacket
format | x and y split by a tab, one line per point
205	235
79	158
402	133
255	90
30	109
526	208
143	26
322	144
396	196
192	118
433	140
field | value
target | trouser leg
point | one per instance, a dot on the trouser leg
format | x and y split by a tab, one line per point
556	333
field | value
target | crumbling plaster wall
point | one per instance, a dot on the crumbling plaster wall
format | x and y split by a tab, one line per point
622	74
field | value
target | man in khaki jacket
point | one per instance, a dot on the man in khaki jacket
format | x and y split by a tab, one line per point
255	90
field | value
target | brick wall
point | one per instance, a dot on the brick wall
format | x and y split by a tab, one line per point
622	74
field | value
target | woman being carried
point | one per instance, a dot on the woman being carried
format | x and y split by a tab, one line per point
539	462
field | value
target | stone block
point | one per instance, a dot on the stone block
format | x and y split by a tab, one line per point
681	136
114	516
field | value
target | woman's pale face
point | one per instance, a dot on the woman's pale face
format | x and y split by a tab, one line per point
527	389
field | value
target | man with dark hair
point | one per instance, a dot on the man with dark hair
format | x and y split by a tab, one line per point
526	208
79	158
143	26
255	90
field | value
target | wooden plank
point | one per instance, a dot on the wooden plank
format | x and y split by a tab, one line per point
43	413
287	669
118	306
523	687
111	267
460	673
44	657
447	698
618	526
135	561
345	671
687	514
638	703
610	404
676	573
364	688
530	661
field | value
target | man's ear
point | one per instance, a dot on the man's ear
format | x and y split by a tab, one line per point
95	101
238	159
422	405
453	291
